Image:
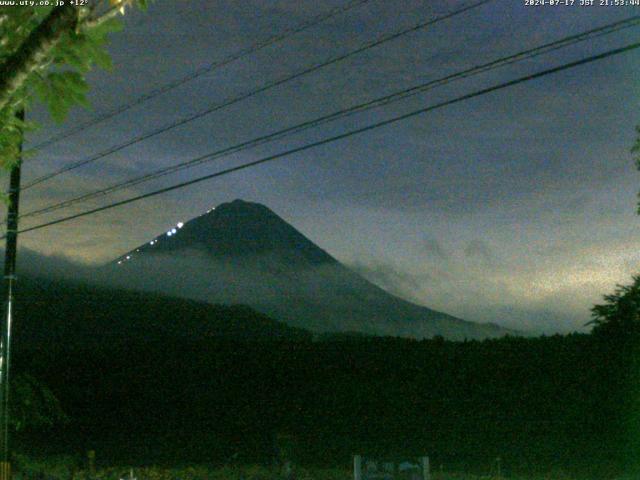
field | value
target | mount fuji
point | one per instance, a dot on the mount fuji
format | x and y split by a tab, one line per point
243	253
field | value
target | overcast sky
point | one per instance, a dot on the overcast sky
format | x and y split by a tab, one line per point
517	207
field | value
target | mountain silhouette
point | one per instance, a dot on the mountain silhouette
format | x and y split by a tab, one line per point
243	253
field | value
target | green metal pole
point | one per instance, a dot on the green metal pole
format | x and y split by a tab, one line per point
10	253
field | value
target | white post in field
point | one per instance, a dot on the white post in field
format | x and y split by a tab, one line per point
357	467
426	469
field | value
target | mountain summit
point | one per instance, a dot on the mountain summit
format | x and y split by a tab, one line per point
235	230
243	253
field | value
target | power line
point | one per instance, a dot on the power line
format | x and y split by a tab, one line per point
350	133
378	102
244	96
285	34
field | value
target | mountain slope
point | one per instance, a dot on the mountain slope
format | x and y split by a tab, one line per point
76	315
242	252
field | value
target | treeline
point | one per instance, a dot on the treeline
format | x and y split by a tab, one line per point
552	402
145	379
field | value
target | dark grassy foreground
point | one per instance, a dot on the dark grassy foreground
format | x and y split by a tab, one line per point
149	380
543	405
60	471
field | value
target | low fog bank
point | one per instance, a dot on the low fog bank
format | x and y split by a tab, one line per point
150	276
480	299
321	298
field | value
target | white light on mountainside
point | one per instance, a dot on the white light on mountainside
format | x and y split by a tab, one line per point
180	224
174	231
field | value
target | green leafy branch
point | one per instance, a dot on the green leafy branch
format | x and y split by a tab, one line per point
45	53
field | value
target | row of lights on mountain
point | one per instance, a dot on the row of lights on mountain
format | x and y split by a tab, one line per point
173	231
170	233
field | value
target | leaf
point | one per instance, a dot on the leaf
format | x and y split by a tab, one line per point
58	80
102	59
113	25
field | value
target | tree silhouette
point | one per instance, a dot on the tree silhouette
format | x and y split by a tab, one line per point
620	314
45	53
34	405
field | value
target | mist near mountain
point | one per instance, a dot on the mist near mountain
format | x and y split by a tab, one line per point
244	253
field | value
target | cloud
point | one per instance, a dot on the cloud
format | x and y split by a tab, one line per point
539	296
479	250
482	298
391	279
543	290
524	200
434	249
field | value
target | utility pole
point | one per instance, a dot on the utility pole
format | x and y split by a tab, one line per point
11	248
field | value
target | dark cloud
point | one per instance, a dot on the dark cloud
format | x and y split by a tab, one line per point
540	172
396	281
480	250
434	249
